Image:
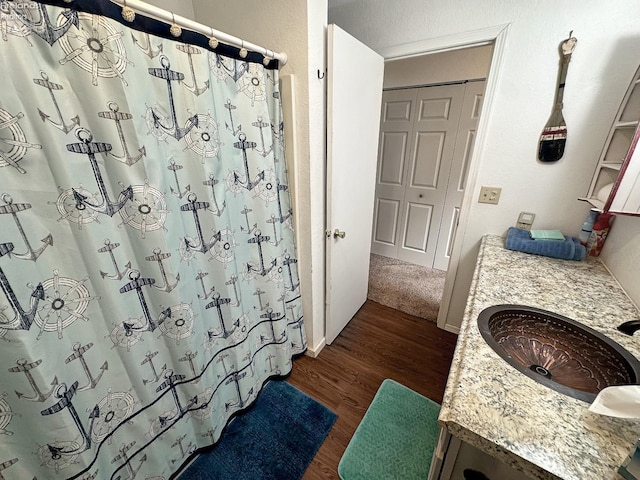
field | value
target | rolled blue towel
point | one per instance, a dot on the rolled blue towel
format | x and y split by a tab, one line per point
568	249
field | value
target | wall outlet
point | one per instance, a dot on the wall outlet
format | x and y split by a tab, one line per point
489	195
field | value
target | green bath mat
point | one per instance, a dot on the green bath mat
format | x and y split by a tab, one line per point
395	439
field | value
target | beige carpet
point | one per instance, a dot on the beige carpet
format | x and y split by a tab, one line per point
409	288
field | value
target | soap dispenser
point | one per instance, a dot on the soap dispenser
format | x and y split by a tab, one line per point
587	226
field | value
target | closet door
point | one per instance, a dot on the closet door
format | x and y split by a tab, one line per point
418	136
396	133
426	139
465	139
427	171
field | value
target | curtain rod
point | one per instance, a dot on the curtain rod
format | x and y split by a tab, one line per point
170	18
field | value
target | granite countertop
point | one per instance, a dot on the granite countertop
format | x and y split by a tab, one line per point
489	404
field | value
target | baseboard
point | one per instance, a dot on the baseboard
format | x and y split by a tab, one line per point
313	352
452	328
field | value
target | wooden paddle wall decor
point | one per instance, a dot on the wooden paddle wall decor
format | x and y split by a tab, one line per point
554	135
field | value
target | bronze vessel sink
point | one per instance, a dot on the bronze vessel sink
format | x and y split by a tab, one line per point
557	351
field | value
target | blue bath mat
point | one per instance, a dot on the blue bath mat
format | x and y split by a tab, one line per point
275	439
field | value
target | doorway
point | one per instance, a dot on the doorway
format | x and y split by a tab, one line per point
426	138
430	112
450	312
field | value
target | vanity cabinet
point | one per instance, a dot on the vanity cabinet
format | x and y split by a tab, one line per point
454	459
514	422
613	187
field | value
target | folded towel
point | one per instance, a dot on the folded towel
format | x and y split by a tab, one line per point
520	240
547	235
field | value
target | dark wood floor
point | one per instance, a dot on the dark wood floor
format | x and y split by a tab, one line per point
378	343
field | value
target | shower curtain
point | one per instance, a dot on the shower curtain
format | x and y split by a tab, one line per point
147	260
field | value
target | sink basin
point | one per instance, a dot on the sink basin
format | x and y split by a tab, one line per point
557	351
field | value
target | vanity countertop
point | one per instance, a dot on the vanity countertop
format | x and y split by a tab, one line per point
489	404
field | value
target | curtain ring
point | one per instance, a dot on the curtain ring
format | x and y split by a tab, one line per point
128	13
213	41
243	51
267	59
175	29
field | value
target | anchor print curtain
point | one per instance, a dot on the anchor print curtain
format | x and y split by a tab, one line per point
147	263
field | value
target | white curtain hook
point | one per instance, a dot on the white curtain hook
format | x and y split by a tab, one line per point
128	13
175	29
213	41
267	58
243	51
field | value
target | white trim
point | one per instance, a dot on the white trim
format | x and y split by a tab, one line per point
499	36
289	117
474	38
451	328
313	352
496	35
169	17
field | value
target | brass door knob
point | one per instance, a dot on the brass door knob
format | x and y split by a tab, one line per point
337	233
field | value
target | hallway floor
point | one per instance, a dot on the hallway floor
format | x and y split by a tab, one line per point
378	343
410	288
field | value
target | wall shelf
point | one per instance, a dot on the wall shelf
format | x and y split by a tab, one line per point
617	148
595	203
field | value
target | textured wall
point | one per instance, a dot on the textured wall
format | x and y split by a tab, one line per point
621	254
466	64
183	8
603	63
602	66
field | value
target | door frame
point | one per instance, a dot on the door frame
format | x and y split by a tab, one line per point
496	35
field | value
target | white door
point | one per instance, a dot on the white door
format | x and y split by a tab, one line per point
465	139
354	91
396	134
425	142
